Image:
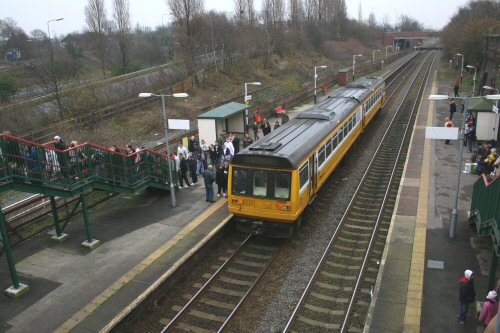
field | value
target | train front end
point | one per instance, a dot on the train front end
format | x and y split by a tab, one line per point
262	199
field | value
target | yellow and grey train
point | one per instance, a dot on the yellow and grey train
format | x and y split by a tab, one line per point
273	181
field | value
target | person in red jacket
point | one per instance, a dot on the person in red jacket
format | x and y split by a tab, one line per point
467	295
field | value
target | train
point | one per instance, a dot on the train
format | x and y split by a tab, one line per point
274	180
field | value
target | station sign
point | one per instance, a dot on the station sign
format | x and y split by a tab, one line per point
179	124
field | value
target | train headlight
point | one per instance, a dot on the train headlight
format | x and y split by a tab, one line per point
238	201
281	206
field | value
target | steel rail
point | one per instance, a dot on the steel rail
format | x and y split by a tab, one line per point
209	281
341	223
386	195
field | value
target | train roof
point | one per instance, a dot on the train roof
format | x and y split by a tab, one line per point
287	146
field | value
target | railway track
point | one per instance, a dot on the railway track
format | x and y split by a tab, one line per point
214	303
337	296
208	311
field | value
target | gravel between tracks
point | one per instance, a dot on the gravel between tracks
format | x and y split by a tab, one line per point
270	305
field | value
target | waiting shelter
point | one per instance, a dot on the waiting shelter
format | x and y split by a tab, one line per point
487	120
225	119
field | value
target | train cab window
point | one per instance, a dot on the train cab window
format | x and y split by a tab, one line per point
240	181
282	185
304	174
321	155
259	183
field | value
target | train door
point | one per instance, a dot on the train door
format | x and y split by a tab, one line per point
363	111
313	176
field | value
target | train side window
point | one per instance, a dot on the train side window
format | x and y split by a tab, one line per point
346	130
282	185
239	181
328	147
334	142
350	124
304	174
341	135
321	155
260	183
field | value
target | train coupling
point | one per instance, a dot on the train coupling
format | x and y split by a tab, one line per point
257	227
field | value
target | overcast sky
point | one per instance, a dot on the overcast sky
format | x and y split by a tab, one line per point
34	14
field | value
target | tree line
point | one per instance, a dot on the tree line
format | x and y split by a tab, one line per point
110	46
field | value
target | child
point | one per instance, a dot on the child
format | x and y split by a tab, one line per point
490	308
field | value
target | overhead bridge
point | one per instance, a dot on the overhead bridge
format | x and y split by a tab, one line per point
40	168
411	39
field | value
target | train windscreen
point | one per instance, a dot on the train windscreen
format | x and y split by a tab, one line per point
261	183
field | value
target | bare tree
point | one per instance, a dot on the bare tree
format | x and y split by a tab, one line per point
240	8
95	17
410	24
121	15
187	14
55	68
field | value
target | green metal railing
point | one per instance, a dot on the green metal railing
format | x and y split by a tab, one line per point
485	212
85	166
40	168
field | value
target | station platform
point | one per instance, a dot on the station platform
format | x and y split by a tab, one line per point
418	284
144	240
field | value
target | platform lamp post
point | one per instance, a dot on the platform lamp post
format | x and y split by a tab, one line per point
248	98
48	25
165	125
473	79
315	78
465	100
373	55
461	68
354	64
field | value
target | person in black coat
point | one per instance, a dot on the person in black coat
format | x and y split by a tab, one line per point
208	177
220	180
192	164
183	166
453	108
266	127
467	295
62	157
236	143
247	141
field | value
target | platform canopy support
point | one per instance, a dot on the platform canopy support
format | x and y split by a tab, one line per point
17	289
90	243
59	236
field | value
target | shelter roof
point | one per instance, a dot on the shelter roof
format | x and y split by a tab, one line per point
224	111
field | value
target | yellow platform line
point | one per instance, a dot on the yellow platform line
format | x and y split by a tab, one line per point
413	308
131	274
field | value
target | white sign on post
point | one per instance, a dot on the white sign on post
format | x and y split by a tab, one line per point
180	124
494	109
248	98
447	133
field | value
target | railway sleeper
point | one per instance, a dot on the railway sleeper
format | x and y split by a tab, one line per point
332	287
316	323
329	298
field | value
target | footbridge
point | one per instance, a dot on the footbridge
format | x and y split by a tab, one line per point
32	167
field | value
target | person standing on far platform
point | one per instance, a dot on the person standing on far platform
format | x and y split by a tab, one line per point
208	177
456	87
447	123
467	295
453	108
